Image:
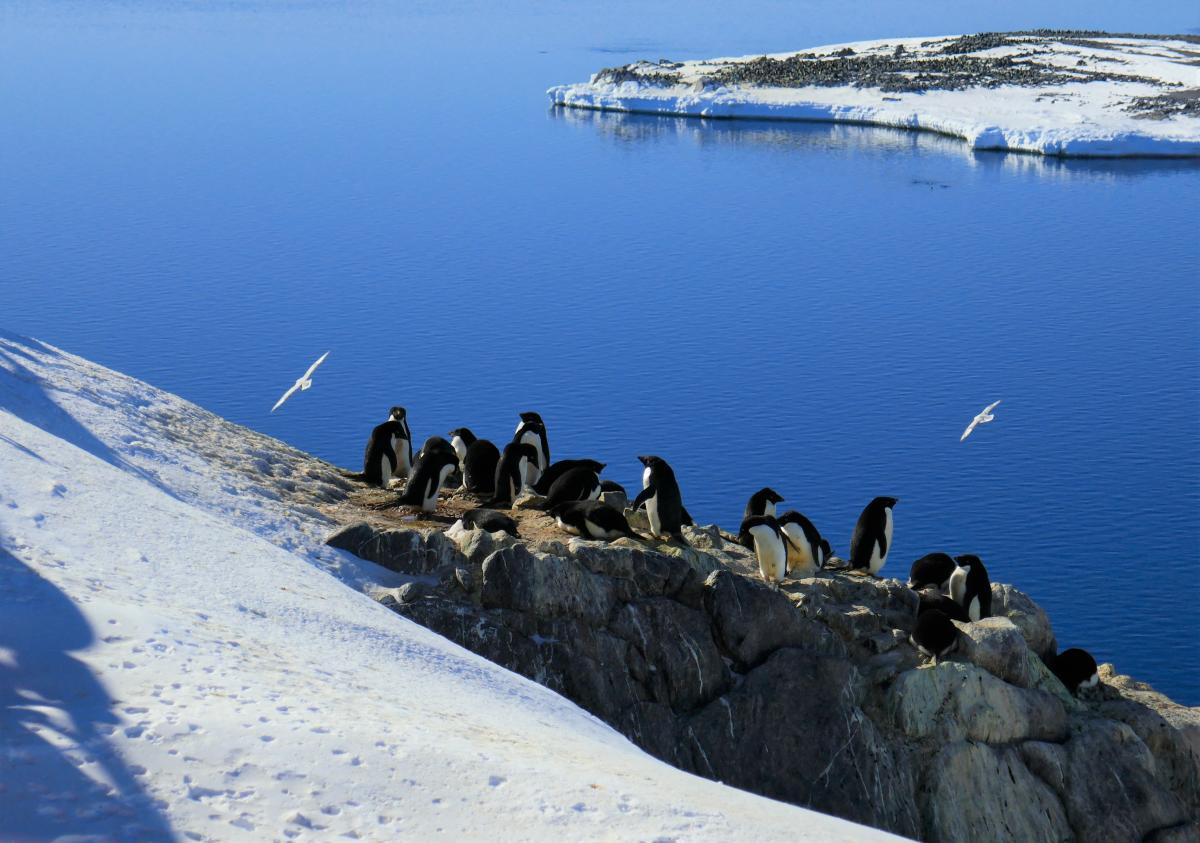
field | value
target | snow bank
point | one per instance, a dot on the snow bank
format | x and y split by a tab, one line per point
177	662
1069	118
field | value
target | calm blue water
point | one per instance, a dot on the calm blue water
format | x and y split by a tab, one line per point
208	196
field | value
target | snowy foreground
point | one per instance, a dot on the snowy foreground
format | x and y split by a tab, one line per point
181	658
1074	95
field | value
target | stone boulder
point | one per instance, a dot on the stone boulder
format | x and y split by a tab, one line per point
1029	617
955	702
547	586
403	551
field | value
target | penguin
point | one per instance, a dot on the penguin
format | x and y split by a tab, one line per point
762	502
404	454
931	569
461	439
578	484
934	634
479	463
510	472
429	474
612	486
436	443
489	520
592	520
872	536
971	588
381	462
558	469
660	493
761	534
806	551
1076	669
532	431
943	604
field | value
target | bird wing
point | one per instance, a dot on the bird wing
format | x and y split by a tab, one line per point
990	407
974	423
314	366
285	396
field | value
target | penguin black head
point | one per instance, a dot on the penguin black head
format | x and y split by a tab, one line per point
967	560
650	461
531	416
524	449
768	494
397	413
463	433
887	502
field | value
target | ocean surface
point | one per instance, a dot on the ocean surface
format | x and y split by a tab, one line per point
210	195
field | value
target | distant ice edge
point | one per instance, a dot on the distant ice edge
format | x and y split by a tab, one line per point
991	138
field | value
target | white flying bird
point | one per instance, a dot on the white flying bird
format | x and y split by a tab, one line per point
983	418
304	383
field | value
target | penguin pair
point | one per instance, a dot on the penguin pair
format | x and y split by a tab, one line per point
964	577
389	450
591	519
662	498
807	551
477	460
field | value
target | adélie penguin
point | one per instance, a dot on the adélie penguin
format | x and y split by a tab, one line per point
381	462
971	587
664	502
477	460
762	502
428	475
872	536
558	469
934	634
592	520
1076	669
532	431
489	520
511	472
807	551
404	455
578	484
761	534
931	569
943	604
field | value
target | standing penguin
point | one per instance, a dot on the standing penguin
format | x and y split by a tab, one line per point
461	438
380	463
664	502
510	473
592	520
934	634
532	431
429	474
762	502
931	569
578	484
1076	669
872	536
478	460
806	551
971	587
558	469
761	533
404	454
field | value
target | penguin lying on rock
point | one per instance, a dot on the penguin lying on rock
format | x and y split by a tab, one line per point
932	569
558	469
592	520
489	520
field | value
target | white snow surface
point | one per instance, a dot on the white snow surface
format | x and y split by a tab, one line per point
182	659
1077	119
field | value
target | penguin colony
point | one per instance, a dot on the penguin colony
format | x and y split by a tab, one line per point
951	589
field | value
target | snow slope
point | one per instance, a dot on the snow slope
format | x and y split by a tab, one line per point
1072	119
180	658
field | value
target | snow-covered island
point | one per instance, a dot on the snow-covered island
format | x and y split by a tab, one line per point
1066	93
208	635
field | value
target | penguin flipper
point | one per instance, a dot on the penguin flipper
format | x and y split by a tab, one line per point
643	496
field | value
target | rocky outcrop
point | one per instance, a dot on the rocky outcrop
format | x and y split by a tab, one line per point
811	694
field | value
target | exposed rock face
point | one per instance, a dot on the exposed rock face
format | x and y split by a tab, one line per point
812	694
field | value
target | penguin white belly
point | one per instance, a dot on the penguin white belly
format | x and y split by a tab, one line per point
385	469
652	516
878	554
532	470
594	495
799	554
958	586
460	447
562	525
1091	682
973	609
646	478
769	509
772	558
877	559
430	502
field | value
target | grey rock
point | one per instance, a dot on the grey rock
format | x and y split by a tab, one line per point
617	500
955	701
548	586
997	646
1176	762
751	621
993	776
403	551
529	500
1029	617
465	579
411	592
478	545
